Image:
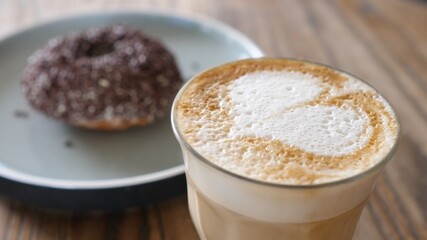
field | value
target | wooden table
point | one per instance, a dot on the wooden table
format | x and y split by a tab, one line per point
382	41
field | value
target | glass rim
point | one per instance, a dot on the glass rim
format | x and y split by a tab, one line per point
349	179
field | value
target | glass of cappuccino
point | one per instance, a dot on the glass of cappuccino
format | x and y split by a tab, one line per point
281	149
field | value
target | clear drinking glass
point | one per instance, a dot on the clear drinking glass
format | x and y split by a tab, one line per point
227	206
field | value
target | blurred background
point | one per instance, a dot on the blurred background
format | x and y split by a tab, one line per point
381	41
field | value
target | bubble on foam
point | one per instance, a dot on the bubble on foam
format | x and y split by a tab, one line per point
351	85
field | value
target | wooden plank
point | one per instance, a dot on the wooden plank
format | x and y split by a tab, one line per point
400	90
368	227
175	220
85	226
155	225
134	225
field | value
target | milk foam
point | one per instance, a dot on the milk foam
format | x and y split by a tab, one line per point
289	126
260	100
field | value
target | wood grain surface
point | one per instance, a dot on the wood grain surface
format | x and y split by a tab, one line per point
381	41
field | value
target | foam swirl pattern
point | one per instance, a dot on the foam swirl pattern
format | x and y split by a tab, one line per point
286	121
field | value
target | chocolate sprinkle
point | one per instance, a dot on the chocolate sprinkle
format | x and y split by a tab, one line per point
68	143
113	72
21	114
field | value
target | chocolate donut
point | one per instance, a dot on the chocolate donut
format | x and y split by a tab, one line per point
108	78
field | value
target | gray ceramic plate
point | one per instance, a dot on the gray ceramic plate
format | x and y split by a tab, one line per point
47	163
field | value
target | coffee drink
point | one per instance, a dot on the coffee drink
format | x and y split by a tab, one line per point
217	222
281	149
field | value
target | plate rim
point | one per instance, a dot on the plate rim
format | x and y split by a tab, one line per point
201	20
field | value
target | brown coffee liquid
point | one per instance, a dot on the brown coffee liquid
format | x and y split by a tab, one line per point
214	222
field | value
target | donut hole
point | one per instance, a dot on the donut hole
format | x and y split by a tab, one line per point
97	49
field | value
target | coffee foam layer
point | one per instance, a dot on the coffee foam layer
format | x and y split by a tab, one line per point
261	98
286	121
